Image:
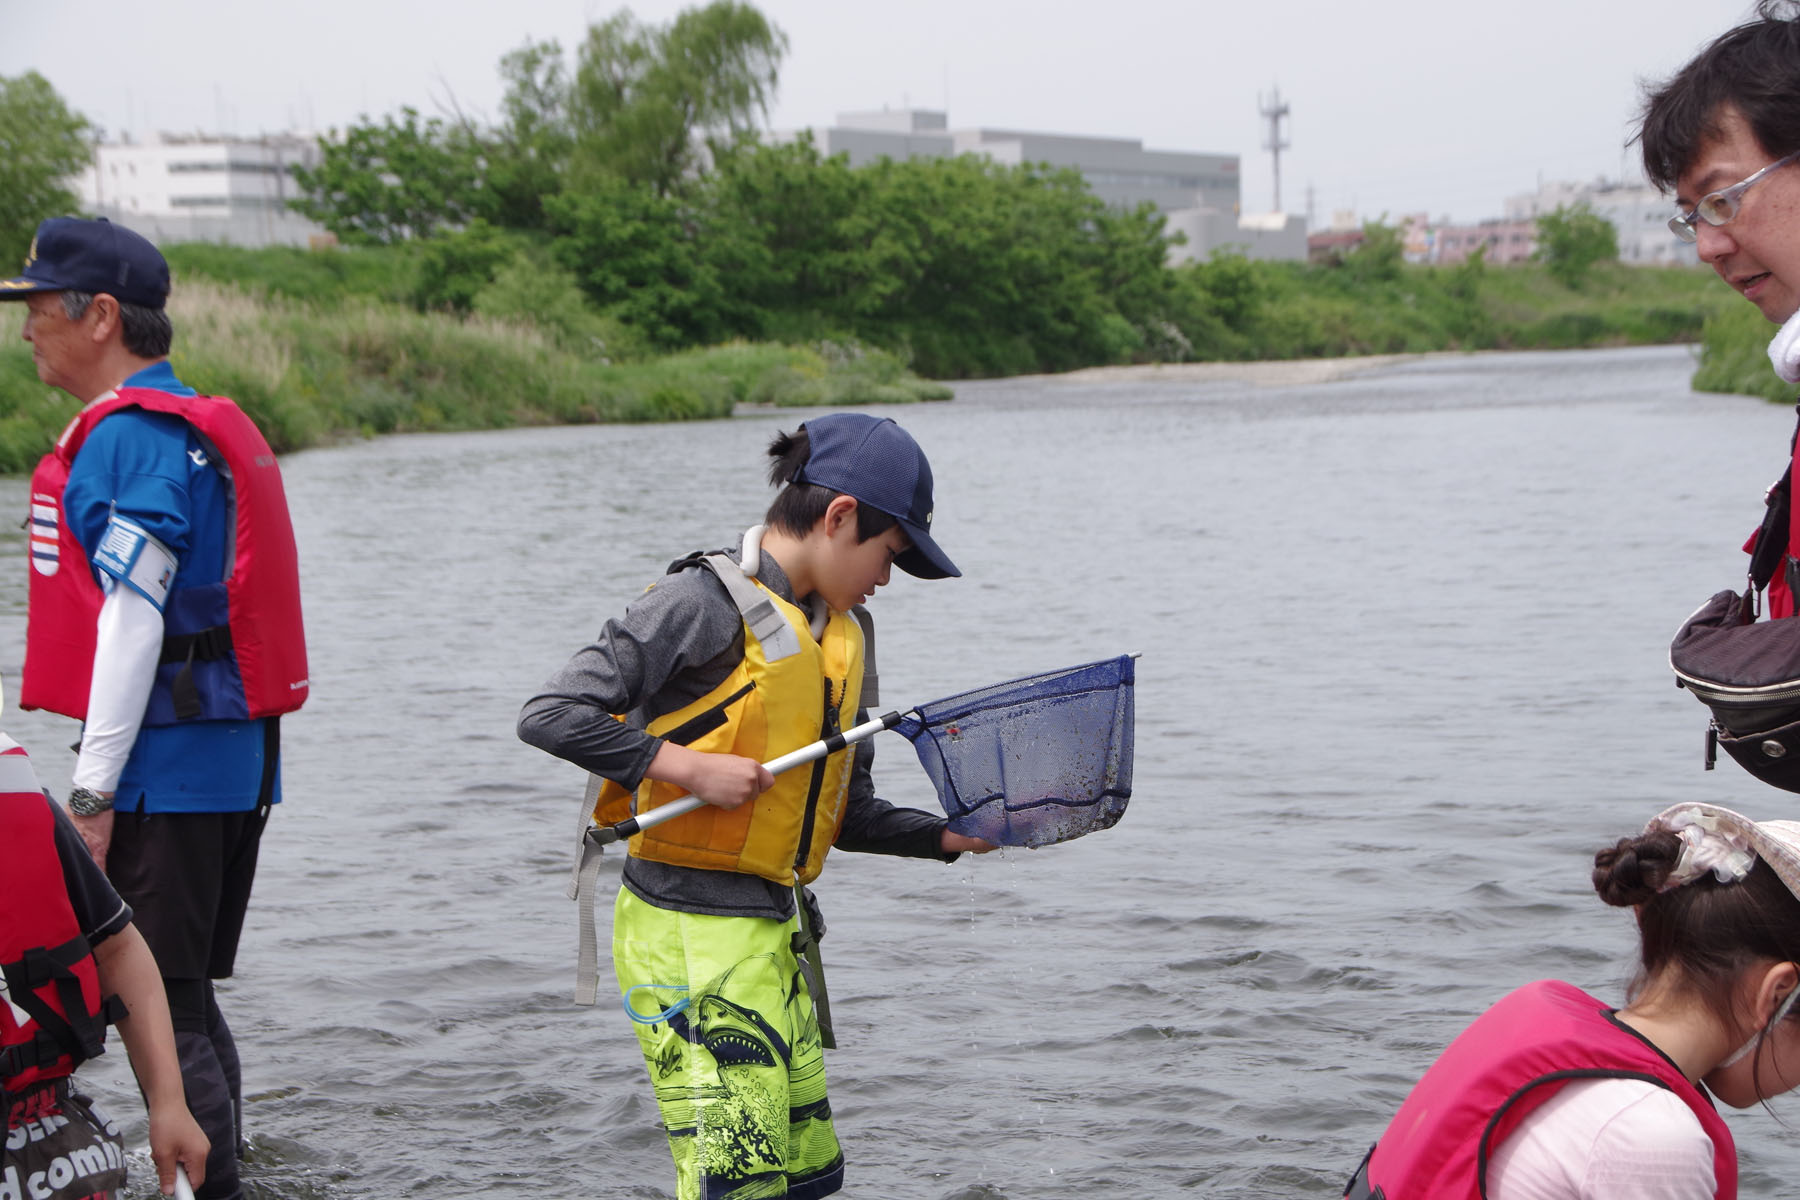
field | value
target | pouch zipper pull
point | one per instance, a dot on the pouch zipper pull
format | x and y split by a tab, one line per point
1712	745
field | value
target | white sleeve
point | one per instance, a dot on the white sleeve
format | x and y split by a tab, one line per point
126	652
1652	1150
1606	1139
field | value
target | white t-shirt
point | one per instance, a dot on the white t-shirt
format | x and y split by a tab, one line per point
1606	1139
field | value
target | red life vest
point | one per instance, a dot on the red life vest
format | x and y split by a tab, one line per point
51	1016
261	641
1515	1057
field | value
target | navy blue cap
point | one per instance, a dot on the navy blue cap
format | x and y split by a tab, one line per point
72	255
878	463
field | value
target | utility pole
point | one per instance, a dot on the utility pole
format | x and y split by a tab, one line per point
1272	111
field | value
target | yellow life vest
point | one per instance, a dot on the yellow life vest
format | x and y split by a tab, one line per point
790	690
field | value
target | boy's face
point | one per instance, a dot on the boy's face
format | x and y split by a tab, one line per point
1758	251
849	570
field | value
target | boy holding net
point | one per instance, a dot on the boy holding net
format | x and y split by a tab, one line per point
729	660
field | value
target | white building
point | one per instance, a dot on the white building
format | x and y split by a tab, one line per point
1639	212
1198	193
1257	235
202	189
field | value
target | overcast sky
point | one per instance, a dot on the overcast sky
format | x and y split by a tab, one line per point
1397	105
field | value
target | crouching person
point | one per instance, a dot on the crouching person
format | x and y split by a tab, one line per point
1553	1094
71	962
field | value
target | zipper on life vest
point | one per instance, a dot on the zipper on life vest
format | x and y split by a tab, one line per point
828	726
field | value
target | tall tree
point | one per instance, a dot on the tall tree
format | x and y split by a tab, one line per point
402	178
645	98
1572	239
528	155
42	145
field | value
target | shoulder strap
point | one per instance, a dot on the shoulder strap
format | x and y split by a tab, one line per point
582	881
1772	539
772	630
871	689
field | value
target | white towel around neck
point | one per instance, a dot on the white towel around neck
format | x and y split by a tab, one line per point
1784	351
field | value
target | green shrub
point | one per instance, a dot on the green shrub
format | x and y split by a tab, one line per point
1734	355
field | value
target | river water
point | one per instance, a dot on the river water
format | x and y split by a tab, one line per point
1404	668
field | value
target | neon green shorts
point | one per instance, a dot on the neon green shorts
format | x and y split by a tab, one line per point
739	1073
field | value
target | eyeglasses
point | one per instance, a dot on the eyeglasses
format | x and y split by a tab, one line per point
1718	208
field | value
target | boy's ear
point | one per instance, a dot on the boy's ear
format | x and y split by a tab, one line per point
842	508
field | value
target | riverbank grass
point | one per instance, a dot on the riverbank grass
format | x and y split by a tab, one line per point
1734	355
311	373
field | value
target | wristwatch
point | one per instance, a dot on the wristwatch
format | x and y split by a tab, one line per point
86	802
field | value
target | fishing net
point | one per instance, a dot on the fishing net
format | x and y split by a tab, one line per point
1033	761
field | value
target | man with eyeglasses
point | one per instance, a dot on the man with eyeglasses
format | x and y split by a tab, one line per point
1724	136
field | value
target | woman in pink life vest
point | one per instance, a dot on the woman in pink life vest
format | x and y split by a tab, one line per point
1555	1095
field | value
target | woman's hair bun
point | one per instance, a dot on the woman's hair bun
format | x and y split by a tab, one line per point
1635	869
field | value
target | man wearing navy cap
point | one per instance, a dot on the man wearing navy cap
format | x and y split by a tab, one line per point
165	615
730	660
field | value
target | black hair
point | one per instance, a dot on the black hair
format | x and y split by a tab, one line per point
800	506
1711	932
1754	68
146	332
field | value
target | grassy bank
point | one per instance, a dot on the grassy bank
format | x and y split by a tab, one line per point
1734	355
1301	310
1228	308
310	373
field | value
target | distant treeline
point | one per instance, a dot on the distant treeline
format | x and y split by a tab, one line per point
630	177
971	313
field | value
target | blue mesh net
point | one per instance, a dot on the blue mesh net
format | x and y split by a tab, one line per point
1032	761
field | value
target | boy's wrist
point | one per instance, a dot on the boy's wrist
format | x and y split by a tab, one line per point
165	1099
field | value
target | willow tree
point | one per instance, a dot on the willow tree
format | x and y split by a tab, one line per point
42	145
649	103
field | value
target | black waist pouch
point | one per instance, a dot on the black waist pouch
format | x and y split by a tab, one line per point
1748	673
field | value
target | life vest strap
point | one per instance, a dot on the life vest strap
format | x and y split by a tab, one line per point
73	1031
187	649
205	645
1359	1187
773	633
42	1050
805	945
582	881
870	697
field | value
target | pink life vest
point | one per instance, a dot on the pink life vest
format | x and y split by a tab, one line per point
262	637
51	1017
1516	1056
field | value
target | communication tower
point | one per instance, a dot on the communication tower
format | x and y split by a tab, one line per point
1273	110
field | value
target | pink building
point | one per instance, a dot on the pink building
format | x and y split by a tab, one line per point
1506	241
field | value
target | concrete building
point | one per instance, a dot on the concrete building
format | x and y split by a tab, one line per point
1199	193
1258	235
202	189
1639	212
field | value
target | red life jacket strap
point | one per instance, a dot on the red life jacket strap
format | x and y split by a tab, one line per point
72	1032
